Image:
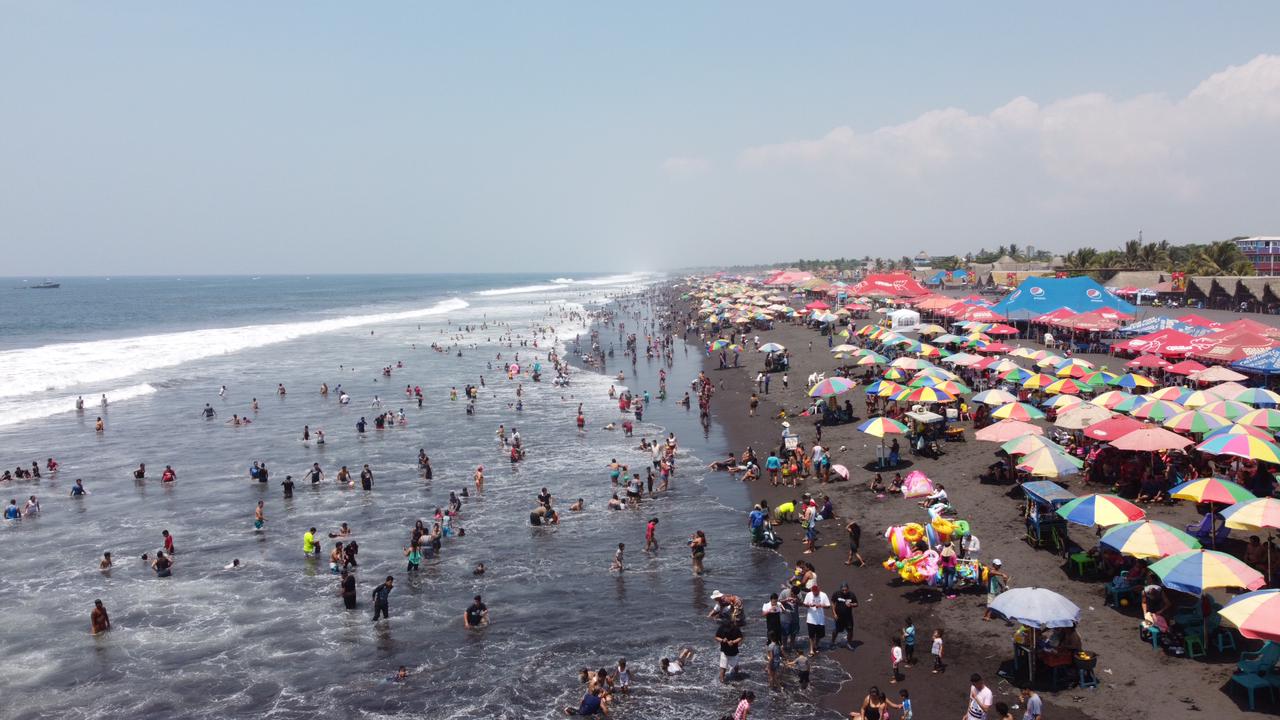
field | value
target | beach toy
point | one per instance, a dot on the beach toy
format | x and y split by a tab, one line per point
932	535
913	532
944	527
960	527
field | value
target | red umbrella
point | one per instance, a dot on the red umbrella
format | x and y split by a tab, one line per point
1002	329
1148	361
817	305
995	348
1150	439
1113	428
1186	367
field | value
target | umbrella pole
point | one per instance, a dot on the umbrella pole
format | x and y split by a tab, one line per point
1213	531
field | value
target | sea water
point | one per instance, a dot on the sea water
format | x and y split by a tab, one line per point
272	639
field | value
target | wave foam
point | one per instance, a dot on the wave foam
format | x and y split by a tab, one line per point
20	411
521	290
63	365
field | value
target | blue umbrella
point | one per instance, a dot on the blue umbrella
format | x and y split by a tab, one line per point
1036	607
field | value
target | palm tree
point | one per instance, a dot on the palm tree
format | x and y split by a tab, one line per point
1220	258
1015	252
1082	260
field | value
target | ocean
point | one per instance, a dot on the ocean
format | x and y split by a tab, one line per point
272	639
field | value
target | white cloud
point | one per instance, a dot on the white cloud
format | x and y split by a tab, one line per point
685	166
1067	153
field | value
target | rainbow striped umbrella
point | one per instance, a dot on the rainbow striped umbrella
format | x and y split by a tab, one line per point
1047	462
1199	398
951	387
1245	446
1195	571
1072	371
872	359
1062	402
910	363
881	426
832	386
883	388
1172	394
1196	421
1266	418
1258	396
841	348
1017	375
1158	410
1133	380
1211	490
1100	377
1131	403
719	344
1038	381
900	395
995	397
1050	361
1256	615
894	373
1066	387
928	350
1018	411
1073	361
1029	444
1099	509
926	394
1256	514
1229	409
1240	429
1111	398
1148	539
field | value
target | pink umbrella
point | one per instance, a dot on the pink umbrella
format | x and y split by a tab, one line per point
1150	439
1006	430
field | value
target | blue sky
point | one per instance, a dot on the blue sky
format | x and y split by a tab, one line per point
343	137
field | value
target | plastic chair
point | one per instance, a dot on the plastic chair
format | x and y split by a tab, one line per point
1083	562
1224	638
1260	661
1251	682
1154	630
1194	642
1115	594
1088	679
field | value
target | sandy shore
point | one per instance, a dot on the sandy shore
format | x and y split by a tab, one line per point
1136	680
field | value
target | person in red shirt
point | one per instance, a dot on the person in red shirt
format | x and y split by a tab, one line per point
168	475
650	536
168	541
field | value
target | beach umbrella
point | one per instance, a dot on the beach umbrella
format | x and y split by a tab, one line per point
1211	490
771	348
1241	445
935	371
1172	394
1255	515
951	387
1150	440
1196	421
881	426
994	397
1004	365
1150	362
831	386
1112	428
1038	381
1073	371
1073	361
1024	352
719	344
1148	539
1226	390
894	373
1062	402
1111	398
840	470
1030	443
1131	403
1017	375
1258	396
1002	329
926	394
931	329
1082	416
1130	380
1199	398
927	350
1265	418
1229	409
1195	571
1047	462
839	348
884	388
1238	429
1158	410
1018	411
1100	509
1218	373
1255	614
1100	377
1050	361
947	339
1066	386
871	359
1038	609
1006	430
1186	367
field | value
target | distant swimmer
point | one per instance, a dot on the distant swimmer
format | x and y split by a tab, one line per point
233	565
80	404
32	507
12	512
162	565
99	426
306	433
222	392
78	489
99	620
343	531
168	475
477	615
104	400
254	405
105	563
209	413
280	389
288	486
237	420
309	545
259	516
319	436
315	474
141	472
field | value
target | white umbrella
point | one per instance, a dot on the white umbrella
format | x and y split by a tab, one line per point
1037	608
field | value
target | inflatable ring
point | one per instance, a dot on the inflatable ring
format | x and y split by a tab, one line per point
913	533
961	527
944	526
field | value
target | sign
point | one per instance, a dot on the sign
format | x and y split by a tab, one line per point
1011	279
1179	282
1060	274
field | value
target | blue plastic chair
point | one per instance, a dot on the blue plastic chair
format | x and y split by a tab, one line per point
1261	661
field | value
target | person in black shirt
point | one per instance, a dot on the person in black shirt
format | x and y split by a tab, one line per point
288	486
772	612
477	615
843	603
729	637
380	595
348	589
366	478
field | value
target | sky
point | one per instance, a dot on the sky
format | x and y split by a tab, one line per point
291	137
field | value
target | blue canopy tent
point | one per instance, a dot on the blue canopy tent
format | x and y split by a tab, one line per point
1266	363
1037	296
1158	323
936	278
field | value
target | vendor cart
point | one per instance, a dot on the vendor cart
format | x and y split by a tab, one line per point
1045	528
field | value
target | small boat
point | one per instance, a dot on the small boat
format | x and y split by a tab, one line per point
46	285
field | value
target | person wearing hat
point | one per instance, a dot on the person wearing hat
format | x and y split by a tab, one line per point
727	607
997	582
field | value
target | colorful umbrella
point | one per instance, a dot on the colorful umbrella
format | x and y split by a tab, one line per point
1229	409
1239	429
1245	446
1100	377
894	373
1113	428
719	344
926	394
1130	380
1030	443
881	426
1082	416
1018	375
1195	571
1131	403
1196	421
771	348
1256	615
1111	398
1211	490
1047	462
994	397
1256	514
1172	394
1199	398
1018	411
872	359
1038	381
1148	539
1073	371
910	363
831	386
1150	440
1006	430
883	388
1264	418
1062	402
840	470
1258	396
1066	387
1158	410
1098	509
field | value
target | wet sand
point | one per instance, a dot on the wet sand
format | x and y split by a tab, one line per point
1135	679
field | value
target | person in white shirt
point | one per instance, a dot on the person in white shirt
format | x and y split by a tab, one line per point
979	698
816	617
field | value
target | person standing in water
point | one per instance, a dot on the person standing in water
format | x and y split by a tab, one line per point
259	518
366	478
99	620
347	589
380	596
479	479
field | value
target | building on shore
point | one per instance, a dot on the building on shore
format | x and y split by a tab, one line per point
1263	251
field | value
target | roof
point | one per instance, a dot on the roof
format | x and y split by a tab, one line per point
889	284
1037	296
